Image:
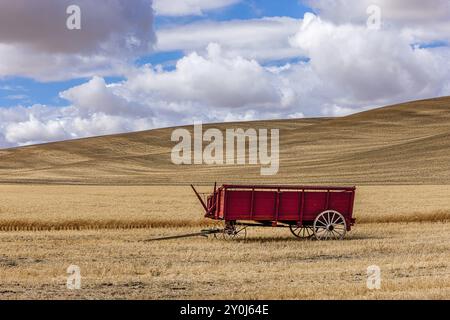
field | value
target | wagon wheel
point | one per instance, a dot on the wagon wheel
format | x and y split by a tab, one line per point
302	232
234	233
329	224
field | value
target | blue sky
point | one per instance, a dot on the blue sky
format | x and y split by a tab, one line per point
248	9
132	68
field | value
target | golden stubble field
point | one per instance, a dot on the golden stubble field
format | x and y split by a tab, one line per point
405	230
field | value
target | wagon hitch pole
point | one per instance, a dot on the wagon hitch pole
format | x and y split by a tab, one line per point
200	198
203	233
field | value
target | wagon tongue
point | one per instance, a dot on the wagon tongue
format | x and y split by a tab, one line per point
203	233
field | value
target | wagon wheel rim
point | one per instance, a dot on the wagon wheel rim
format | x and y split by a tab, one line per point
235	233
302	232
330	225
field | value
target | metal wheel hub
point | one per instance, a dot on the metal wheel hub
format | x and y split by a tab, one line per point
232	231
329	225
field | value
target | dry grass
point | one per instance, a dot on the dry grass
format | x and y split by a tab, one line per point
413	257
271	264
24	225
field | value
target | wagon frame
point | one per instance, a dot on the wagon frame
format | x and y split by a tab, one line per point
320	212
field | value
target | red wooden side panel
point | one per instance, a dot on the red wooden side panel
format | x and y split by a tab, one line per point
341	202
315	203
264	205
290	203
238	205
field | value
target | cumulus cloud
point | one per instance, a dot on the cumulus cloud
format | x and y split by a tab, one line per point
398	11
95	96
262	39
106	26
359	66
189	7
420	20
19	61
213	80
39	124
35	42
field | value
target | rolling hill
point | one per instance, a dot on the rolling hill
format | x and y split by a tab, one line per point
407	143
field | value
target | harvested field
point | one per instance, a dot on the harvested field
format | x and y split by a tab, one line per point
412	247
413	257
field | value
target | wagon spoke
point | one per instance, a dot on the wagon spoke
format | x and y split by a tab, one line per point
302	232
339	232
340	235
322	223
332	217
336	234
337	219
321	232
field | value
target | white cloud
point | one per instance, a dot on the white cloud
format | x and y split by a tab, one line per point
189	7
39	124
262	39
17	60
33	130
96	97
398	11
212	80
35	42
359	66
421	20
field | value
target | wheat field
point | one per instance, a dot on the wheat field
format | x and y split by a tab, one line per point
103	231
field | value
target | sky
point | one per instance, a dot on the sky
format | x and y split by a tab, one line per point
141	64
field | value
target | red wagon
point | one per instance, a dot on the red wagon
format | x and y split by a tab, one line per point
322	212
